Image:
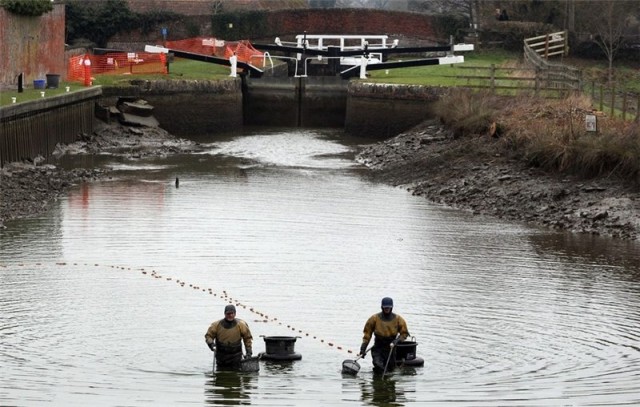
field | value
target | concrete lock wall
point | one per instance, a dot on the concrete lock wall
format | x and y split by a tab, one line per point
188	107
33	128
31	45
362	109
382	110
211	107
295	102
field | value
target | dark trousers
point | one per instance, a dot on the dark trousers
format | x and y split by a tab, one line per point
228	357
380	355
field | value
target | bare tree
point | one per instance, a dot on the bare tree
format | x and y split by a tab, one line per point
375	4
216	6
606	21
345	3
464	8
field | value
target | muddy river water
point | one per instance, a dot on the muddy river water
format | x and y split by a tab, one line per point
104	299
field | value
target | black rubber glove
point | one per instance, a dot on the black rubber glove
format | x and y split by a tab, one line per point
363	350
212	346
249	353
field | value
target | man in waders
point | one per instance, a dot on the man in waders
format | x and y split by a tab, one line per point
389	329
225	337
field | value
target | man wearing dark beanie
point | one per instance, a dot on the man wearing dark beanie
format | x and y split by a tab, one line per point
388	329
225	337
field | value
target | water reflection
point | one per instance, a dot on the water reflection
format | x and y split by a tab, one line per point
284	367
295	232
571	247
229	388
381	391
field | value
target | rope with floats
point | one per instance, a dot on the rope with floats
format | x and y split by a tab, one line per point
224	295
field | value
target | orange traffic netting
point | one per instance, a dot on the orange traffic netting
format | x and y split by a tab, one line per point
76	70
219	48
114	63
199	45
244	51
81	67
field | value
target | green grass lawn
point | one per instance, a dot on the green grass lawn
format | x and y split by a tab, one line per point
32	94
443	75
627	76
179	69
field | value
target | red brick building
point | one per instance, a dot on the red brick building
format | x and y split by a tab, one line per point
31	45
202	7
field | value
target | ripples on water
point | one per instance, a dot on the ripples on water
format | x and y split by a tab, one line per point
104	300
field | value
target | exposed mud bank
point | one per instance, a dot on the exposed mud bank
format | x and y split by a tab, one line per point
27	189
464	173
468	173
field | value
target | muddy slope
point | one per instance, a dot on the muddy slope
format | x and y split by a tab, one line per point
27	189
470	174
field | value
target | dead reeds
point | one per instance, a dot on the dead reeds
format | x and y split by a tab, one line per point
547	133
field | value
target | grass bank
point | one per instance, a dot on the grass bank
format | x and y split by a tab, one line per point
550	134
547	133
179	69
442	75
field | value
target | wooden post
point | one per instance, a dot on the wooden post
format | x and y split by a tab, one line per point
537	82
601	98
613	100
593	90
546	47
624	105
493	78
638	109
580	82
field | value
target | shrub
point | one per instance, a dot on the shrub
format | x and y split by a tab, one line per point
31	8
99	21
466	112
546	133
238	25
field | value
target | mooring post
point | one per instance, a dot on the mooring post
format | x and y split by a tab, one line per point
333	60
363	62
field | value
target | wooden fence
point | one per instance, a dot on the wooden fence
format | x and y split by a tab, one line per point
548	45
545	83
537	51
614	100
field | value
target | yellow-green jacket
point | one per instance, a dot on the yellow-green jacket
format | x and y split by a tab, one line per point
385	328
229	334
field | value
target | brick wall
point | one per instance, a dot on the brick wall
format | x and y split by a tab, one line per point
352	21
31	45
200	7
411	28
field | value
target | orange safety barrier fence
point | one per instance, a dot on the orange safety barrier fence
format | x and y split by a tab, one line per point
115	63
199	45
219	48
131	63
75	69
244	51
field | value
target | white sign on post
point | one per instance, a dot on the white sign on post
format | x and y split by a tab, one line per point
591	122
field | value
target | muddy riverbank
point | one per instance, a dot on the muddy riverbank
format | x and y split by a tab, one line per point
28	188
465	173
471	174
